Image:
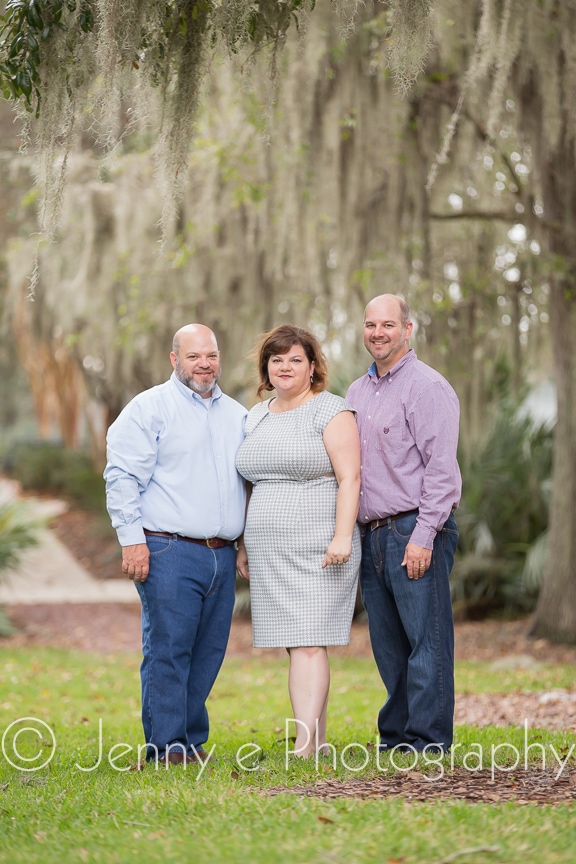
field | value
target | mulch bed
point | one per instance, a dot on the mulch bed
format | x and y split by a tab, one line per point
92	540
519	786
103	628
553	709
109	627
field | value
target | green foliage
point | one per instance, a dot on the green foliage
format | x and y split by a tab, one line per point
17	532
268	19
47	467
503	514
25	28
68	60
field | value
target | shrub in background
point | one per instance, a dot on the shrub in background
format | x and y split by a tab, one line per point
48	467
503	518
18	531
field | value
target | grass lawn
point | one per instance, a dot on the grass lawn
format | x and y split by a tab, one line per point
83	806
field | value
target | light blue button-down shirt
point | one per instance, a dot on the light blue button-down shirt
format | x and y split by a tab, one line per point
171	465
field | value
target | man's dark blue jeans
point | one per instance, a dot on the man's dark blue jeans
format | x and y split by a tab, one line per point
412	635
187	604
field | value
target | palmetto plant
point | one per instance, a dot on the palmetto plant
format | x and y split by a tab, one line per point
17	532
503	517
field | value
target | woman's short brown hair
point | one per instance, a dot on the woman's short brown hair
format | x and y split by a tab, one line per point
279	341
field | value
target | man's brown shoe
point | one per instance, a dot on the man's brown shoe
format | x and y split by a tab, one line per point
177	757
201	756
174	757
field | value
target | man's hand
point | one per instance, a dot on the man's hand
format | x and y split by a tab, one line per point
135	561
416	560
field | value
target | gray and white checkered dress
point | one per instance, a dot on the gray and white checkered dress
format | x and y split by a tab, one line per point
290	523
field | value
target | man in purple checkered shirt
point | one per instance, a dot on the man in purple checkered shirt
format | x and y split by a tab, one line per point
408	417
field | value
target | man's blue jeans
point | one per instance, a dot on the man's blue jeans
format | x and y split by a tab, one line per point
187	604
412	634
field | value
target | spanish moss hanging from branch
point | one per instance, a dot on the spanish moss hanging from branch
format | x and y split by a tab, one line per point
410	40
112	67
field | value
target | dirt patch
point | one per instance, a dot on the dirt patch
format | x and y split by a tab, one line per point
104	628
110	627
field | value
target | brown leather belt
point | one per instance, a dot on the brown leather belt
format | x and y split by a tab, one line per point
378	523
210	542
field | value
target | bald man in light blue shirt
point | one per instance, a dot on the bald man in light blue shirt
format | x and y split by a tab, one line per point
178	504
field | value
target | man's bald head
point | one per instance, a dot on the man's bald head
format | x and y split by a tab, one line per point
383	301
193	330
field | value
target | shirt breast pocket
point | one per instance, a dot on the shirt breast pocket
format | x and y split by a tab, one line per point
390	442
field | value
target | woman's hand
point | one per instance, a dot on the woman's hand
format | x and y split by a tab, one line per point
242	563
343	447
338	552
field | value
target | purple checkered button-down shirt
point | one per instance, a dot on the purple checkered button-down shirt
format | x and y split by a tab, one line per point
408	422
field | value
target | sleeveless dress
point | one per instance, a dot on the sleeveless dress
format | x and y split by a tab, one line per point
290	522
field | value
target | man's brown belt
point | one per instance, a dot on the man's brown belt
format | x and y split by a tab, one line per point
210	542
377	523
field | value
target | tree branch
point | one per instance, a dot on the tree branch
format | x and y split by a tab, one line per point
486	215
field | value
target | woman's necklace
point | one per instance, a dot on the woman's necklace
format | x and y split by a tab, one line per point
283	405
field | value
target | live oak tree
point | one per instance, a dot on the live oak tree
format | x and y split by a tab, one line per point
123	62
490	63
526	52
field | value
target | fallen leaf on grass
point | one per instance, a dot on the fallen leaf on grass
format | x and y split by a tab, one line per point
471	850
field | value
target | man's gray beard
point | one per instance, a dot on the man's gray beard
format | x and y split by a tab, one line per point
190	383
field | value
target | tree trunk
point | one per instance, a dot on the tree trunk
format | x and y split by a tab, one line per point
555	616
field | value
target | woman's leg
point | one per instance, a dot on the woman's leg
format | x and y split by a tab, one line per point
308	685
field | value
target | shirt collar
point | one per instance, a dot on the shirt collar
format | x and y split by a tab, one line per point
190	394
407	358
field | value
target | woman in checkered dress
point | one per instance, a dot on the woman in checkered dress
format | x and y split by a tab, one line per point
301	547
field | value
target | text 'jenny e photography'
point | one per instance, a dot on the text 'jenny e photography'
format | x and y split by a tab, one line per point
29	744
